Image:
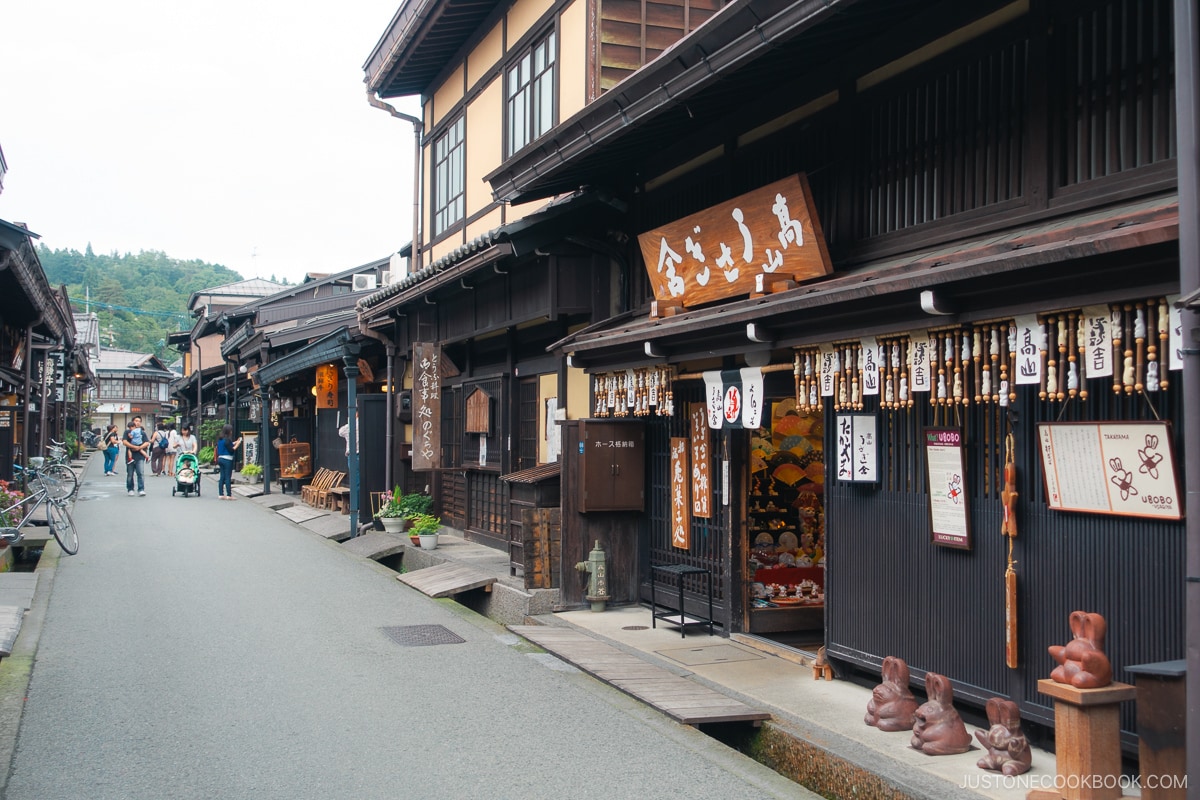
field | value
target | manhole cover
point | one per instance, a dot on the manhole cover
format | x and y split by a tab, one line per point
635	628
422	635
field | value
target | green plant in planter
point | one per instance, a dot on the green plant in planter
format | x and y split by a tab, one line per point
425	525
405	506
251	470
206	454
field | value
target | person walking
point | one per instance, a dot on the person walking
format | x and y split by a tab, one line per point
158	449
137	445
172	449
226	447
112	447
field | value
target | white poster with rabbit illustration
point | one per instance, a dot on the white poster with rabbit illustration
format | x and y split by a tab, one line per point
1120	468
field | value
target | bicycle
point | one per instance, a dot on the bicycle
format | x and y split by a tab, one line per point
62	527
58	466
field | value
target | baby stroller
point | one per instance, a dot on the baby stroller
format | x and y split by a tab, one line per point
187	475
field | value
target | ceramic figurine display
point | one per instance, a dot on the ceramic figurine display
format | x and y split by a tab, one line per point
892	706
1081	662
1007	748
939	730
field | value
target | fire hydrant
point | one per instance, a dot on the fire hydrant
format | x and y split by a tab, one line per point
597	565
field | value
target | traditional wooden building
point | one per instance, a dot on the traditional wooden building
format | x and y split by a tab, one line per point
954	229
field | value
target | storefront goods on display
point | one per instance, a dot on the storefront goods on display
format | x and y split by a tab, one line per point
634	392
1081	662
1136	343
938	729
892	706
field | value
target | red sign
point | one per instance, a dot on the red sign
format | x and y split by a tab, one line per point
733	404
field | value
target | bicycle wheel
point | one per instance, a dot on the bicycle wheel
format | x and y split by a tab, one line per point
63	528
60	481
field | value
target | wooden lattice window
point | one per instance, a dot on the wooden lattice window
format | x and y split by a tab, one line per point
634	32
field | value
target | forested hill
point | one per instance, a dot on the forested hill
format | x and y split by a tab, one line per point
138	299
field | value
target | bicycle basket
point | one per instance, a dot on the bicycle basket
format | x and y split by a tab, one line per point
56	452
56	488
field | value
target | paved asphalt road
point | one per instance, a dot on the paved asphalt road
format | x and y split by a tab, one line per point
198	648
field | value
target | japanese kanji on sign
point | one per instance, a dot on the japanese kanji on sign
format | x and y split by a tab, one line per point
742	246
427	406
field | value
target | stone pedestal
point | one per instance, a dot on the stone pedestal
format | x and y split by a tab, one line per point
1087	740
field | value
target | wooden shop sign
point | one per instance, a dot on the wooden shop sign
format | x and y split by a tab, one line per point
762	241
681	521
327	386
701	461
1119	468
427	406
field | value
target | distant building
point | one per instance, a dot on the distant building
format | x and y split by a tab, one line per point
131	384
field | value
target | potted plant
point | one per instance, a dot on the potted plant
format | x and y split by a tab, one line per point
425	527
252	473
393	514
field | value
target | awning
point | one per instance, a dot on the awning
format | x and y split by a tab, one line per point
308	330
322	351
1076	257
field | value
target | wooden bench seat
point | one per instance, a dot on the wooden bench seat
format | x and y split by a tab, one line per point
321	480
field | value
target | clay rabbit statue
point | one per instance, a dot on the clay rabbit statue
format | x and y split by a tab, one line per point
1081	662
1008	749
892	704
939	731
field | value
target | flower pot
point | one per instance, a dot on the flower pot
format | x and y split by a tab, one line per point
429	541
416	540
393	524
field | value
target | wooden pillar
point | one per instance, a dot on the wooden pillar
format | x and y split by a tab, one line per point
1087	741
1161	725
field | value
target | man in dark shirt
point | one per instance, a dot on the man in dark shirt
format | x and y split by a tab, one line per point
137	446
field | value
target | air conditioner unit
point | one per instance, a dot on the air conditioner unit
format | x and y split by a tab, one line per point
362	282
398	266
387	277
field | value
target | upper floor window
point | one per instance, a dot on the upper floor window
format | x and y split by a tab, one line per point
448	177
529	94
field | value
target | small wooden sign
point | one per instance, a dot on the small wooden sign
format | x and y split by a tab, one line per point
857	448
479	412
746	245
701	461
1119	468
327	386
427	406
681	522
946	469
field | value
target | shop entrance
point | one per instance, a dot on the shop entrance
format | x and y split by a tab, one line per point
785	528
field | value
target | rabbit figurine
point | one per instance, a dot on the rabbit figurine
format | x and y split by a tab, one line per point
1081	661
939	730
1007	747
892	704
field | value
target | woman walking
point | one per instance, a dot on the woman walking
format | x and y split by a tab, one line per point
226	446
111	448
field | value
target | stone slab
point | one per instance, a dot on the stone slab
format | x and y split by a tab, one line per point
336	528
376	545
16	588
249	489
300	513
10	625
447	579
275	502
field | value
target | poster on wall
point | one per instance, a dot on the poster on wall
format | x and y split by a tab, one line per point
1118	468
427	406
857	449
701	461
681	526
946	467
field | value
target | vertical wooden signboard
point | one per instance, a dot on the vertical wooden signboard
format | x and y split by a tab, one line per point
327	386
948	514
681	527
701	462
427	406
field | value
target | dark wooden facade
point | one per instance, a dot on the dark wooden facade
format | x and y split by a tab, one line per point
1008	160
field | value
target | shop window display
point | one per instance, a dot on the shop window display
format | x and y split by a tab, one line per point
786	522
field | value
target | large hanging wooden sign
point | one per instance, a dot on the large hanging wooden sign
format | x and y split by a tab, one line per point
427	406
756	243
1120	468
327	386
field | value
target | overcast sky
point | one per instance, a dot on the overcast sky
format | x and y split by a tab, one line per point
236	132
